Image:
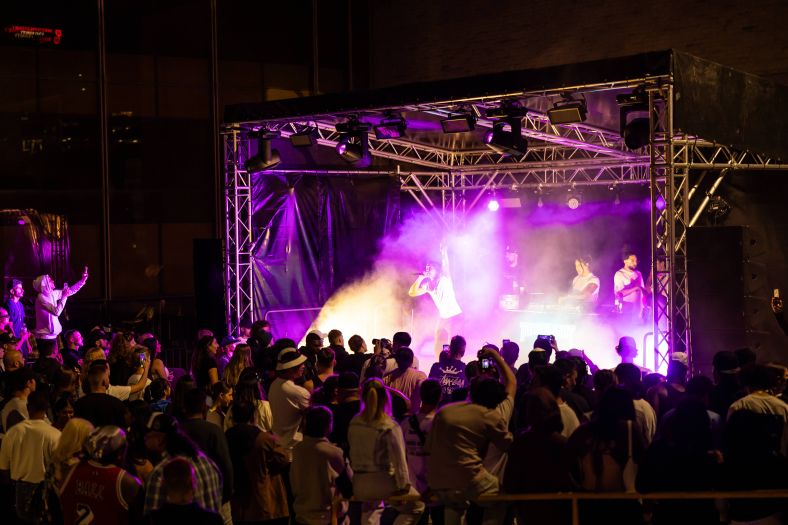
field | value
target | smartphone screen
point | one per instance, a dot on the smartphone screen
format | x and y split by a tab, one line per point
445	348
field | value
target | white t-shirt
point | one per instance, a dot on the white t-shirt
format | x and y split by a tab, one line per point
120	392
625	277
27	450
444	298
288	403
15	403
646	419
569	419
581	282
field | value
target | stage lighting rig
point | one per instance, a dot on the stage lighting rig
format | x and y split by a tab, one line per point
568	111
635	131
304	138
574	199
507	141
353	144
458	123
266	157
391	127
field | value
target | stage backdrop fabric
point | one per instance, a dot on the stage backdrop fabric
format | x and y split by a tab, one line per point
311	236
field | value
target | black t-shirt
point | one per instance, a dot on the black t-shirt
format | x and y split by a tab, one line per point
202	378
352	363
47	368
170	513
339	352
101	409
450	373
71	359
343	413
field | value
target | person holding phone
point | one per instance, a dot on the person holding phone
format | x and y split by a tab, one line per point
436	281
51	302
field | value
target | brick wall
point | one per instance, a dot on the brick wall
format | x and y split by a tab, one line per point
415	40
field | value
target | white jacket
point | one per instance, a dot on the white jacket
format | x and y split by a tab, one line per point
378	447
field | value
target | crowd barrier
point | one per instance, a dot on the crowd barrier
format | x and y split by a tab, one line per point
576	497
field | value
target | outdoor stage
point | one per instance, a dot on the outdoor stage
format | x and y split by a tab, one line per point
334	201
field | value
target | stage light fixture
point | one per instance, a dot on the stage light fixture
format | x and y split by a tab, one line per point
390	128
507	142
493	204
539	202
266	157
304	139
354	148
635	131
574	200
459	123
616	193
567	112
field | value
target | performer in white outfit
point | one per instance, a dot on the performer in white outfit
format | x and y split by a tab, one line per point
585	285
50	304
438	284
629	288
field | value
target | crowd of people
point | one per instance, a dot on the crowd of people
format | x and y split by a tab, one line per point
99	430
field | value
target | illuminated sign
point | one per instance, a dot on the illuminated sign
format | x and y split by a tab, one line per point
42	35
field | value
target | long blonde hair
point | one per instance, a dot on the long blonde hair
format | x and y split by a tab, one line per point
377	402
241	359
71	439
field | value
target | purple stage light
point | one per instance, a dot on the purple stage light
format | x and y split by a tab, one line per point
341	148
493	205
660	203
488	137
20	221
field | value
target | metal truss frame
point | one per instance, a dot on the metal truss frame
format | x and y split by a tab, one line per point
238	242
448	184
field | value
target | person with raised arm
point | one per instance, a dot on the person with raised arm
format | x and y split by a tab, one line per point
51	302
437	282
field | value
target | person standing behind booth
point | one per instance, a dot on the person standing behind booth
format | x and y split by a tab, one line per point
629	288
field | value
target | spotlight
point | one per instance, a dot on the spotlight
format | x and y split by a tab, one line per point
661	203
493	204
539	202
718	208
390	128
303	139
567	112
458	123
574	200
636	133
507	142
354	148
616	194
266	157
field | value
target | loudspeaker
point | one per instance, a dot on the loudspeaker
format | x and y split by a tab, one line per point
728	293
209	285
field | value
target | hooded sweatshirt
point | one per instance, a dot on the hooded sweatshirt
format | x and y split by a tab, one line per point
49	306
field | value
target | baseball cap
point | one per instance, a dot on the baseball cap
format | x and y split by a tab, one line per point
289	358
104	441
229	340
160	422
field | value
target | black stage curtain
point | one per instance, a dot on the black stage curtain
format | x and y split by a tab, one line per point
311	236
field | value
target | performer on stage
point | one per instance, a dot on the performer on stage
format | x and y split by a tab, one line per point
629	288
585	285
438	284
50	304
